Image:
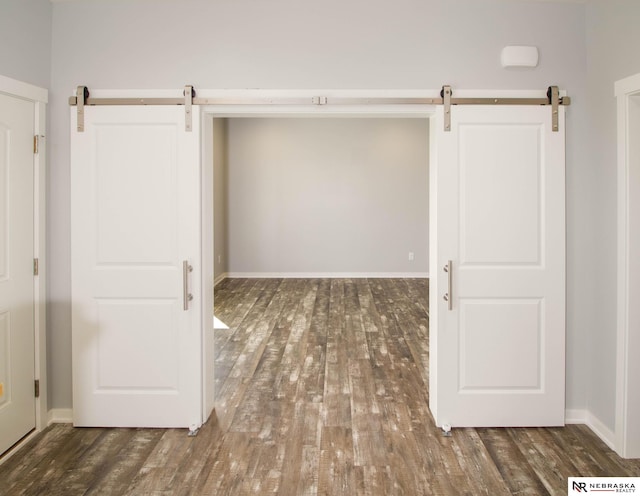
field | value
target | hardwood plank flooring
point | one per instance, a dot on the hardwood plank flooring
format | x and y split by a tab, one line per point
321	390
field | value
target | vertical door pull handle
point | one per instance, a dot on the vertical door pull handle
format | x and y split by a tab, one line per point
186	296
448	296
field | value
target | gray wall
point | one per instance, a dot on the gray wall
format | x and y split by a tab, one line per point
25	41
328	195
613	39
332	44
220	261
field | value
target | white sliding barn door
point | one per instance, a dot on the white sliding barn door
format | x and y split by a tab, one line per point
499	196
135	201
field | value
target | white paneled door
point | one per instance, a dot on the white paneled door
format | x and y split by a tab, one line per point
135	201
498	345
17	399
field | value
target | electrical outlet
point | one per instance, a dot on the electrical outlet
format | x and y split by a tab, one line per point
411	257
219	258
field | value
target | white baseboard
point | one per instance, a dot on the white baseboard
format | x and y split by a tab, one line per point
592	422
60	416
16	447
219	279
327	275
575	416
601	430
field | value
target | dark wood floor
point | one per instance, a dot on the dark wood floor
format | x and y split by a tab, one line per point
322	390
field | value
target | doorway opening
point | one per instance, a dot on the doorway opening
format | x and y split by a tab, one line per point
306	203
22	240
627	425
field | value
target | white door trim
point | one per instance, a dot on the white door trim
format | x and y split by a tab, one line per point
625	89
39	96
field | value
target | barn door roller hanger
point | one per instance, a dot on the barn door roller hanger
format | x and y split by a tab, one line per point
553	99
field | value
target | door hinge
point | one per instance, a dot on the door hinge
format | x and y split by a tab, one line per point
37	138
37	388
36	267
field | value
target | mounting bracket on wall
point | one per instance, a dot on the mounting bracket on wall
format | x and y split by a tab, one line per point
445	93
189	93
82	95
553	99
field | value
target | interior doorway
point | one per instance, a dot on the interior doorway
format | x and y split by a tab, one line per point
410	256
339	205
17	337
22	243
627	424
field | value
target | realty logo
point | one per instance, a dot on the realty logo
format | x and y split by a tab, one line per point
616	485
579	486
